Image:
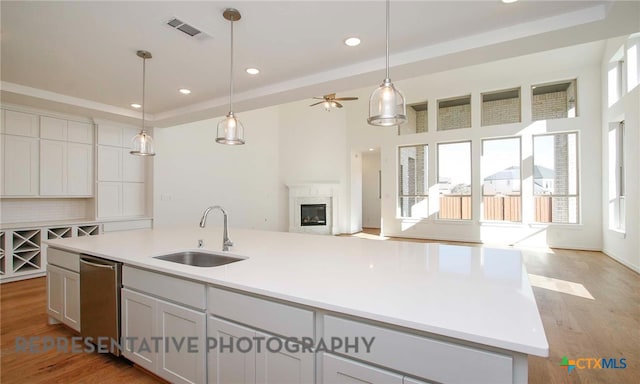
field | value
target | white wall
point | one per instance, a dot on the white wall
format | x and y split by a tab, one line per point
193	172
622	245
581	62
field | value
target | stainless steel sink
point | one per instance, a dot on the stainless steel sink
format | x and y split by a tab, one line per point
199	259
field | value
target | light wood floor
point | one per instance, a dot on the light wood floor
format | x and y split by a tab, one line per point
606	326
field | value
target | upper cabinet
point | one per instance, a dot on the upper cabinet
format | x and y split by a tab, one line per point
46	156
122	187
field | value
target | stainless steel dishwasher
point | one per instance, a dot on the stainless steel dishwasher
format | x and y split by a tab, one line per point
100	283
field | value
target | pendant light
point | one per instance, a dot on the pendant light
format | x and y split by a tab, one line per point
142	143
386	105
230	130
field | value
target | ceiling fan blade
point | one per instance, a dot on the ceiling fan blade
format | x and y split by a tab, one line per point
319	98
337	104
346	98
319	102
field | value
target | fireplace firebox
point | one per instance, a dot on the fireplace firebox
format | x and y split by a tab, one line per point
313	214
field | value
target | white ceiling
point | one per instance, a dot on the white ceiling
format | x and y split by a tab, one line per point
80	57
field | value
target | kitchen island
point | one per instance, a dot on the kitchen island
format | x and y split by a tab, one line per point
434	312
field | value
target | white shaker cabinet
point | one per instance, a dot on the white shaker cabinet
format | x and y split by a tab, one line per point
78	132
226	367
53	129
20	124
63	287
117	166
284	366
20	163
66	169
161	306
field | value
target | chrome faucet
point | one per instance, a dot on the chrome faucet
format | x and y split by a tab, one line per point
226	243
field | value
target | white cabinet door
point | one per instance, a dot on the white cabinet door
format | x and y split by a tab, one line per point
71	304
53	129
225	366
109	163
53	168
184	360
79	169
133	167
63	296
109	199
337	370
138	326
78	132
55	295
289	365
133	201
20	124
110	135
20	165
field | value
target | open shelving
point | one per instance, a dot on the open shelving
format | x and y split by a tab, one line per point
26	251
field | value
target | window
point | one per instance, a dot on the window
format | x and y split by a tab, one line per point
501	107
554	100
616	176
633	56
413	190
454	180
555	178
417	121
615	77
454	113
500	164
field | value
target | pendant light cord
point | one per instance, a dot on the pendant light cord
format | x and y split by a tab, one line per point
388	1
144	76
231	72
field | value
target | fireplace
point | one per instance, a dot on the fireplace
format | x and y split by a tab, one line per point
313	214
313	208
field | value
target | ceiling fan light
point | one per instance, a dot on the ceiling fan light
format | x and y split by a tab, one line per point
387	106
230	131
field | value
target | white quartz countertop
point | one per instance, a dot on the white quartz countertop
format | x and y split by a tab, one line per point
475	294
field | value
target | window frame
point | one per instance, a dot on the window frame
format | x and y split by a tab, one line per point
555	195
400	170
471	189
483	195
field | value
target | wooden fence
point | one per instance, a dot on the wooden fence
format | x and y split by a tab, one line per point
502	208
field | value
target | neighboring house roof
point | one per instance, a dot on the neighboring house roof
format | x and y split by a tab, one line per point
513	173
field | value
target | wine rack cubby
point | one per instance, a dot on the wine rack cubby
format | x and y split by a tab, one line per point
59	233
88	230
26	251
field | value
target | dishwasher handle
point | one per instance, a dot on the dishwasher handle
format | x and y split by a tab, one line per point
96	264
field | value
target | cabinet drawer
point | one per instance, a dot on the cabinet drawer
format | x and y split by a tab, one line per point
276	318
174	289
63	259
423	357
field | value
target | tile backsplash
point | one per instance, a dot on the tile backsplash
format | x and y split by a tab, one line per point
32	210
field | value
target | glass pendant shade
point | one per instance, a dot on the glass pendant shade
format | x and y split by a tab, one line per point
386	106
230	131
142	145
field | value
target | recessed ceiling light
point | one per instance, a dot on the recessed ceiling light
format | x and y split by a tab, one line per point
509	1
352	41
184	91
370	149
134	105
252	71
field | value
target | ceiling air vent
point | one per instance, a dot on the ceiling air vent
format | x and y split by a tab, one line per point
185	28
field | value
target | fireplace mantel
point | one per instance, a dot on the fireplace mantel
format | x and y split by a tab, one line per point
314	193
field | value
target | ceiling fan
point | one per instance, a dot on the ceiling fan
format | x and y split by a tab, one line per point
331	101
